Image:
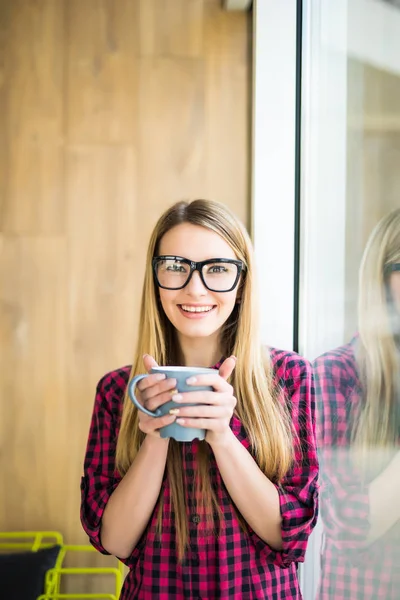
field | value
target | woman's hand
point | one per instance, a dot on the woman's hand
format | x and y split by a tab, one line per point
214	410
152	392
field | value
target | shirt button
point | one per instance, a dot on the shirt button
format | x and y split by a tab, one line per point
196	519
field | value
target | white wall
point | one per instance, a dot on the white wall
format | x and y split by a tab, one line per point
274	93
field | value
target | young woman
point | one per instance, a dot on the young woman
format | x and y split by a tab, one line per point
227	517
358	425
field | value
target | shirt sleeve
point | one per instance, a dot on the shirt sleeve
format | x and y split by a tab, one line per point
344	497
100	477
298	490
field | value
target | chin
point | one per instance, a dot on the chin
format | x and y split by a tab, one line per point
197	332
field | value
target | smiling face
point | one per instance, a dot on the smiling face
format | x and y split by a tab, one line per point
194	311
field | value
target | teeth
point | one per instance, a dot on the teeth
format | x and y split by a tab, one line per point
196	309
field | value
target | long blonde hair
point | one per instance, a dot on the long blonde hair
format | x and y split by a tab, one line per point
259	406
377	424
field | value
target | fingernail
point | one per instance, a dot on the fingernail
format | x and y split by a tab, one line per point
234	358
173	392
160	376
144	355
177	397
180	421
191	380
174	411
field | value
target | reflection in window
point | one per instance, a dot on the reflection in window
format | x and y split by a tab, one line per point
358	429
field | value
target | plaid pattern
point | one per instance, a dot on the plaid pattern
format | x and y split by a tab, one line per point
233	564
349	569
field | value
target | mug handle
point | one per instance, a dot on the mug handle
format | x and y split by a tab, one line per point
131	390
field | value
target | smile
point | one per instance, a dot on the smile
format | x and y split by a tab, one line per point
196	309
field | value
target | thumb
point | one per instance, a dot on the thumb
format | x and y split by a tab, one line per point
149	362
227	367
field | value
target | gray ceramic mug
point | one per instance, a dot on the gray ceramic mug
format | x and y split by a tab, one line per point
181	374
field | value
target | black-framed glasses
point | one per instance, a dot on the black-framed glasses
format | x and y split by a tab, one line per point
391	268
217	274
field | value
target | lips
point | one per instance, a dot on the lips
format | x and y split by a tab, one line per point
196	309
196	312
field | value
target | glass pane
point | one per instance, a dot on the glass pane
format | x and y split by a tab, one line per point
350	307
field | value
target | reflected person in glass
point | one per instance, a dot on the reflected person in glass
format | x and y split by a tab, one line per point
226	517
358	432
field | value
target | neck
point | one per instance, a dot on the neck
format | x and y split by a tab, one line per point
203	352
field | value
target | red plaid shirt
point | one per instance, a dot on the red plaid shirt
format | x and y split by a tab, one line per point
350	570
234	564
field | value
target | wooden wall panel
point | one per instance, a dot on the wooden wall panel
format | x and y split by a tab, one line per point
171	135
101	43
32	122
4	19
227	107
109	113
103	290
172	28
33	389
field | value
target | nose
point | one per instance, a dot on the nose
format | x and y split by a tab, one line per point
196	287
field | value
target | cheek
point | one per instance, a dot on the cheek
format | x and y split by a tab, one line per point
395	288
166	299
228	303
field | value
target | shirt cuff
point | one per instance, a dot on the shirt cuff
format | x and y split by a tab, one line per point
92	509
298	520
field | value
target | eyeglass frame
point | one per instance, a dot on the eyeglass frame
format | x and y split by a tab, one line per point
197	266
392	268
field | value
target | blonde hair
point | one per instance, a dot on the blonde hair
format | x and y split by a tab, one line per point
259	405
376	426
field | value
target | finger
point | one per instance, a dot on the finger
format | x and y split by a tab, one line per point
227	367
154	402
153	381
149	362
203	411
152	424
217	425
215	381
198	398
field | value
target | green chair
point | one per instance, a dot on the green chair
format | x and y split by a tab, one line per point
35	540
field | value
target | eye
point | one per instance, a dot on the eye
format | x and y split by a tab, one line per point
176	268
218	269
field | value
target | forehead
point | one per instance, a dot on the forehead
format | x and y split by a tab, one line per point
195	242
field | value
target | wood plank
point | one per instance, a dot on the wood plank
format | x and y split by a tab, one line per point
34	407
171	135
4	20
31	122
34	193
227	108
103	288
171	28
101	71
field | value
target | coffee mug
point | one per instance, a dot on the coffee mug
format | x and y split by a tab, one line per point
181	374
